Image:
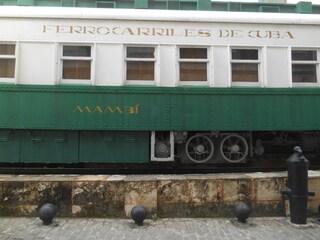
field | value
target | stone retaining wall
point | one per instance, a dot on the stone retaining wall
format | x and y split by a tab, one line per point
200	195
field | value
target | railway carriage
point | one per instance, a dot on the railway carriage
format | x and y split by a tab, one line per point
94	85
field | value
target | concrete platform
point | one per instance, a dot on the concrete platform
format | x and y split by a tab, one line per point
165	196
163	229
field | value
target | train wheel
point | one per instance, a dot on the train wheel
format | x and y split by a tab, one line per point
199	148
234	148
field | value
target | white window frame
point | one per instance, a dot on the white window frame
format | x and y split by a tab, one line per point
15	57
258	62
155	60
194	60
91	58
311	62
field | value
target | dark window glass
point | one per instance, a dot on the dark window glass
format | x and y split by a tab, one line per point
302	55
193	53
140	52
304	73
76	69
7	68
7	49
76	51
245	54
191	71
140	70
7	65
245	72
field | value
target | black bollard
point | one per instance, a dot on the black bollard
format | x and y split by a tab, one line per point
297	189
139	214
47	213
242	211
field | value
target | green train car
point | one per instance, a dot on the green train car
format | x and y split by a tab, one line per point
157	81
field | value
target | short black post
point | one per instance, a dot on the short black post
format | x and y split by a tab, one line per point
47	213
297	189
242	211
139	214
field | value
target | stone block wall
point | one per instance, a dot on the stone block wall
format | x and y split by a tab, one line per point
199	195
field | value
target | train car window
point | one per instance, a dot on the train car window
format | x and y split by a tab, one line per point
301	55
7	61
304	66
193	53
140	52
245	65
245	54
193	64
140	63
76	62
77	51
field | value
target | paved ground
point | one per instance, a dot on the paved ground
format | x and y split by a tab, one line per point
162	229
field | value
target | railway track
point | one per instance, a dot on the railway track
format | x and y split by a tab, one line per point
141	169
268	164
89	171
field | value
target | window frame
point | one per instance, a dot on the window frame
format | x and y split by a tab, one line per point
155	61
249	61
91	58
194	60
15	57
306	62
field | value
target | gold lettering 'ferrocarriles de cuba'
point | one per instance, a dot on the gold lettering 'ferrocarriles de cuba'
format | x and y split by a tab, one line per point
166	32
125	31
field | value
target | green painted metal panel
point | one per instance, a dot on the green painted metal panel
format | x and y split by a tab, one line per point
7	102
249	7
274	9
114	147
246	112
174	5
222	6
158	4
125	4
304	7
188	5
67	3
26	2
85	3
203	5
83	108
51	3
49	147
9	146
158	108
105	4
141	4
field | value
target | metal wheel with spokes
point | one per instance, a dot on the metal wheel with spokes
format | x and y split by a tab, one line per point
234	148
199	148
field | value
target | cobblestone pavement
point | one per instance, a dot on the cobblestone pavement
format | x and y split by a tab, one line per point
162	229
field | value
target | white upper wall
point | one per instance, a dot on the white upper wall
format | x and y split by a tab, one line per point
157	26
41	32
36	63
